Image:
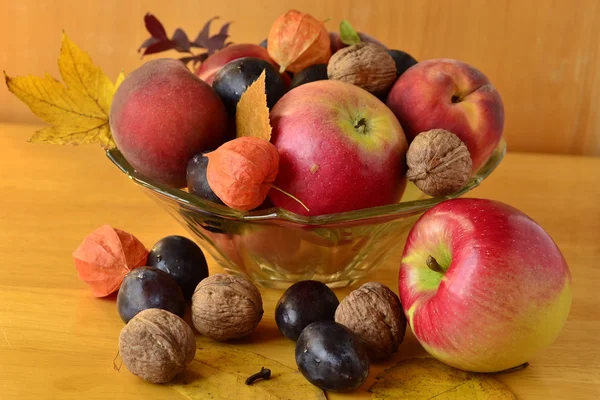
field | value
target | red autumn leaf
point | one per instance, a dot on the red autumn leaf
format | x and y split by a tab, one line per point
298	40
159	42
242	171
153	25
105	256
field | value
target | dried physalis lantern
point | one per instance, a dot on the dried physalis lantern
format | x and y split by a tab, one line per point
105	256
242	171
298	40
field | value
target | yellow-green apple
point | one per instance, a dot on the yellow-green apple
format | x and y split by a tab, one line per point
340	147
483	286
162	115
209	68
452	95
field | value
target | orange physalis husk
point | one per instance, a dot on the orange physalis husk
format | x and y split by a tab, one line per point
242	171
298	40
105	256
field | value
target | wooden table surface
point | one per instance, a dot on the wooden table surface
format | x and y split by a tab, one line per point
59	342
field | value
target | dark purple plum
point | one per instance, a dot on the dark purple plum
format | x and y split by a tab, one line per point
317	72
148	287
264	43
403	61
302	304
182	259
196	179
233	79
332	357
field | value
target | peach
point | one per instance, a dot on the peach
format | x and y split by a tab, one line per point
161	115
452	95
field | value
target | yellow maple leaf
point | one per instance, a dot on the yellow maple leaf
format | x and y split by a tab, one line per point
219	372
426	378
76	110
252	113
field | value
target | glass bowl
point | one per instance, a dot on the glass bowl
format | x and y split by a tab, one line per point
275	248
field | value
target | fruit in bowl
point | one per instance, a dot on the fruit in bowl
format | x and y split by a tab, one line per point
452	95
209	68
341	172
341	153
162	115
329	155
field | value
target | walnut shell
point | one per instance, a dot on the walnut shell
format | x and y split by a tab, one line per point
226	307
156	345
366	65
439	163
374	313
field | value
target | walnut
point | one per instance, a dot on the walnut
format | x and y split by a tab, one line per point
226	307
439	163
365	65
156	345
375	314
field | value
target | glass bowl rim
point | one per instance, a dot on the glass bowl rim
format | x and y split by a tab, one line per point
279	214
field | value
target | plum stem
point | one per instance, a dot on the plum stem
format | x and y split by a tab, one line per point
434	265
264	373
292	196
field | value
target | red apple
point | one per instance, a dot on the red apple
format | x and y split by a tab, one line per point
340	147
496	291
452	95
336	41
209	68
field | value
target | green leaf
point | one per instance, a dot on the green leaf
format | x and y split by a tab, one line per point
347	34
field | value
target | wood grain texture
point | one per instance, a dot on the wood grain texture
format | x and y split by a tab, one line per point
58	342
543	56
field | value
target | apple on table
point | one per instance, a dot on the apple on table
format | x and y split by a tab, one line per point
483	286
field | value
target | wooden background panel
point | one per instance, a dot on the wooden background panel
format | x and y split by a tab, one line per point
542	55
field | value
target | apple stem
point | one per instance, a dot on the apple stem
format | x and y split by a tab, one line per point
361	125
292	196
434	265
